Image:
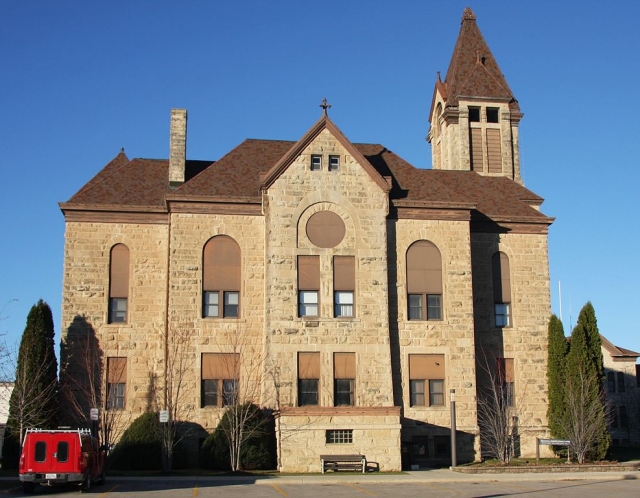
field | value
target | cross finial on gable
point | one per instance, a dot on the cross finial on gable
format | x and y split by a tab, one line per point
325	106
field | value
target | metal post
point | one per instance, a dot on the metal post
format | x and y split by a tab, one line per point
453	428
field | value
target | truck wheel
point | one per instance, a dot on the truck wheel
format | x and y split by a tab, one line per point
86	484
28	487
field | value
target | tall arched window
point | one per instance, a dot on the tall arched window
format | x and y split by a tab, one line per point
221	278
424	281
118	283
501	289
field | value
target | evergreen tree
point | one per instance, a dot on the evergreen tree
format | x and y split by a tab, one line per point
585	372
34	401
557	359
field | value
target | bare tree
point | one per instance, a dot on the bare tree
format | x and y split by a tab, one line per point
241	420
178	401
32	395
498	411
85	385
587	413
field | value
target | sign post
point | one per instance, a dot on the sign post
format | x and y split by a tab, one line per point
453	428
94	416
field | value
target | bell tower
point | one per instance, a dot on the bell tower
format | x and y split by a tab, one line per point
474	116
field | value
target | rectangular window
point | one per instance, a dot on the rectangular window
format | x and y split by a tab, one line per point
334	163
624	418
344	374
117	310
308	378
308	303
344	392
307	392
474	114
426	370
209	392
116	382
417	393
340	436
502	314
506	380
343	303
442	445
434	307
316	163
230	308
231	302
493	114
436	392
229	392
344	285
308	285
621	386
115	397
611	382
415	307
211	307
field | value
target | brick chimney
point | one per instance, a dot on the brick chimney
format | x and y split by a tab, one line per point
177	147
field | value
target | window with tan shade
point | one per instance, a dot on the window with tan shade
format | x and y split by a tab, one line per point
501	289
344	284
424	281
344	375
116	382
118	284
220	377
426	379
308	286
221	278
506	380
308	379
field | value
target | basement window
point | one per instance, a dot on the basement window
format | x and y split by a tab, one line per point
340	436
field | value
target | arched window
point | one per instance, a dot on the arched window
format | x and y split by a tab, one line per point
501	289
221	278
424	281
118	283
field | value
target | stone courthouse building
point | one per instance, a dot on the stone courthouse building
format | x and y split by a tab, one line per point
329	281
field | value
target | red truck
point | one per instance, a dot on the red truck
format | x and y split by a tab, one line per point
61	456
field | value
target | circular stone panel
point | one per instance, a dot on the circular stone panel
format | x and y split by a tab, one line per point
325	229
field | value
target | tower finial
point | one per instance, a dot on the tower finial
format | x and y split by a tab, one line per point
325	106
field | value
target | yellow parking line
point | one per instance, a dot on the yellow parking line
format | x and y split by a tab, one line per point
360	489
282	492
195	490
107	492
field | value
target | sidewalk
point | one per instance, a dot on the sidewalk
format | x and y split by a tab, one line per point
414	476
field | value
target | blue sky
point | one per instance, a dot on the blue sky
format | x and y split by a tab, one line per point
80	80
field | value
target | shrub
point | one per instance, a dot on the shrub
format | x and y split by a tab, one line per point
140	447
257	452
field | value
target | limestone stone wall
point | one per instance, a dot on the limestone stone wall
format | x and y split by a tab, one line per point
303	439
628	397
360	203
526	339
86	298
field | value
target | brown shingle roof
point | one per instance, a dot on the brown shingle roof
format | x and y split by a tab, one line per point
473	70
144	182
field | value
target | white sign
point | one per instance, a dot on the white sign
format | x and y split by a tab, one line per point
93	413
164	416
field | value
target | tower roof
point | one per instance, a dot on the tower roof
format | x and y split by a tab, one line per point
473	70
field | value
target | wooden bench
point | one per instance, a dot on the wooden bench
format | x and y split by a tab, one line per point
343	462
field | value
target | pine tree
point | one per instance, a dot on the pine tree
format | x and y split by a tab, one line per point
584	385
34	401
557	358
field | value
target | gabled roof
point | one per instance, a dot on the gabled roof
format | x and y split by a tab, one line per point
473	70
324	123
239	176
618	352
